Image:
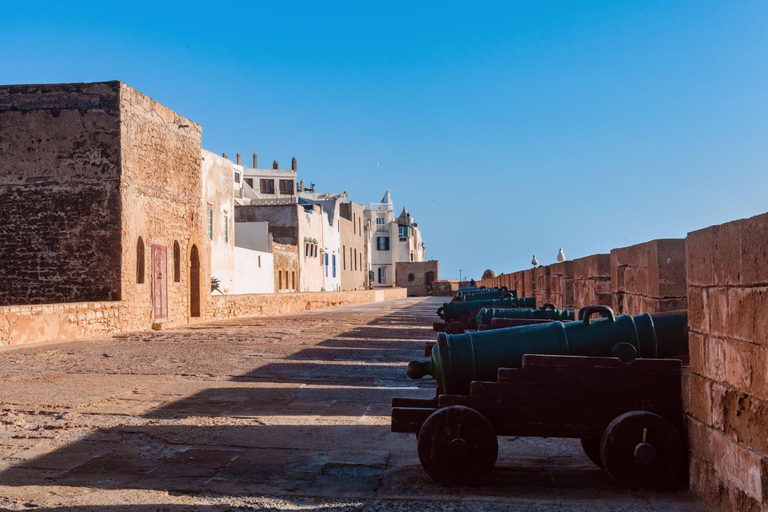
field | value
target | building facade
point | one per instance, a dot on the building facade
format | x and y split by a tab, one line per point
392	240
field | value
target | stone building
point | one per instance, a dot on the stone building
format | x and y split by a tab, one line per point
355	243
418	277
392	240
101	200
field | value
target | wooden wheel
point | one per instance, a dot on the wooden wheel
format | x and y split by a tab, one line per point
591	449
455	328
457	446
640	449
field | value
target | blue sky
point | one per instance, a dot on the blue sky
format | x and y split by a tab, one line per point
506	128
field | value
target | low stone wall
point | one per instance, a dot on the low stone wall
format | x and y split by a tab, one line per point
649	277
20	325
234	306
726	394
592	281
57	322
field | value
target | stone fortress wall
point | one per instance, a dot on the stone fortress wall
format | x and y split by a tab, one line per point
720	275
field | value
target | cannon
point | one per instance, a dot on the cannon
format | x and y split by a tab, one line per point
484	295
453	310
504	323
546	312
627	415
459	359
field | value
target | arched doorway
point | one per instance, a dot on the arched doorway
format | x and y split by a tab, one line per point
194	282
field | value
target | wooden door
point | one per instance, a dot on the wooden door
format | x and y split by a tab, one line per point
159	282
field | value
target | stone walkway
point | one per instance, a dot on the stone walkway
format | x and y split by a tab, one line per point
270	413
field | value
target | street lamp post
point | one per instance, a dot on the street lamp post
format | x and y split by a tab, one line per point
459	276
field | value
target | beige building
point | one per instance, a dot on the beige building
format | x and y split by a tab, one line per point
108	187
354	241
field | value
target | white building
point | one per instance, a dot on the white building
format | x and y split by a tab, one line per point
331	248
392	240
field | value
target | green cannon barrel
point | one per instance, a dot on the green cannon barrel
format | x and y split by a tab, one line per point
453	310
486	294
546	312
459	359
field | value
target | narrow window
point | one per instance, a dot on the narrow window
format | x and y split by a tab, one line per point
355	259
248	181
359	227
333	259
306	248
279	279
259	261
210	223
176	262
226	229
140	261
293	279
353	224
326	264
411	255
344	257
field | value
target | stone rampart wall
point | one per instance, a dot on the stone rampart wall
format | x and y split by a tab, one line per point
726	394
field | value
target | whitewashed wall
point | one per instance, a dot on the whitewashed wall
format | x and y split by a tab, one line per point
254	272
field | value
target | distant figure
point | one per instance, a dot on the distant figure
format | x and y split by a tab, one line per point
472	282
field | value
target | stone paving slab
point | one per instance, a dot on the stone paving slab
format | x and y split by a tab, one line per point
259	414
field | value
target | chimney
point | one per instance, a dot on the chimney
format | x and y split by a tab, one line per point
274	164
238	159
301	186
293	164
313	188
224	155
254	161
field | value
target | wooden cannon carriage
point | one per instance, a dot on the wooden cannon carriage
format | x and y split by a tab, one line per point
627	415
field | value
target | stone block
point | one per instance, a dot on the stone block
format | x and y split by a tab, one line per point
717	300
727	253
697	353
746	419
738	369
714	362
743	310
759	359
760	335
700	440
667	268
597	265
699	257
754	246
699	403
698	309
743	469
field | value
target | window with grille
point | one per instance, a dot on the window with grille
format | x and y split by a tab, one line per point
382	243
286	187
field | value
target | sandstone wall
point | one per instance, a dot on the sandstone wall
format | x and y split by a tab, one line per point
21	325
561	285
60	199
649	277
592	281
727	391
233	306
413	276
162	191
542	285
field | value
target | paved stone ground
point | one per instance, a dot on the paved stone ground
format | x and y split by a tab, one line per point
271	413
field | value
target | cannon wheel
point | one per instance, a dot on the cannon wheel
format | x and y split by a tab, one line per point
457	446
591	449
455	328
640	449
